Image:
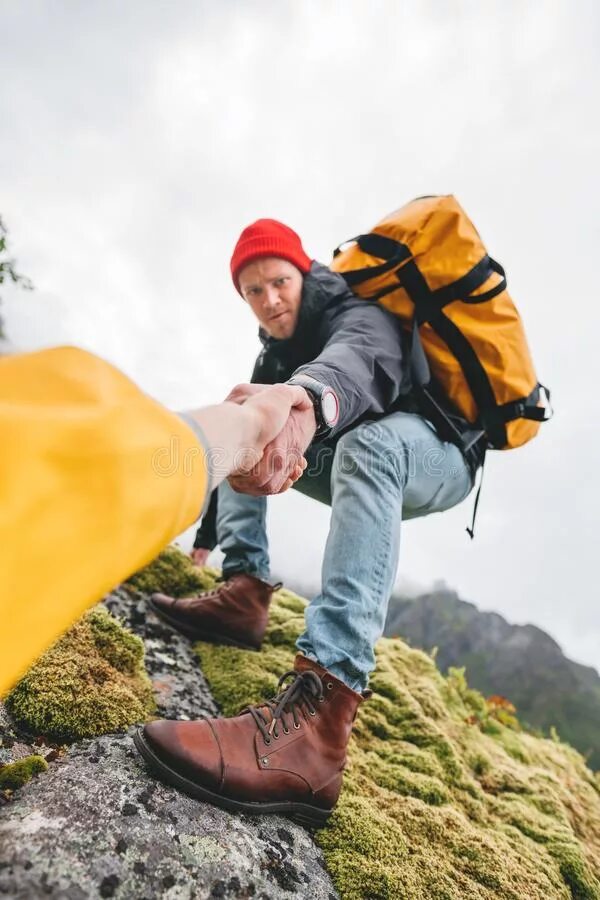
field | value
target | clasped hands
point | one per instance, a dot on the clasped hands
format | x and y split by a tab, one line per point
282	461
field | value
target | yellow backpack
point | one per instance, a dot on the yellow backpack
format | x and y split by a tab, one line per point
426	263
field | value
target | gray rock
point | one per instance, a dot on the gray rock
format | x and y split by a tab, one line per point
97	824
179	685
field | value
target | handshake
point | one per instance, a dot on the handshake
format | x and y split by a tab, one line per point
257	438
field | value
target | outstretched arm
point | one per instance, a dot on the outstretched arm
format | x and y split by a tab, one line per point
96	479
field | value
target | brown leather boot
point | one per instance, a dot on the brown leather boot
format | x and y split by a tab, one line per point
235	612
286	756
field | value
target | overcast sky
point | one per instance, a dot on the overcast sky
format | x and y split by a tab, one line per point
139	138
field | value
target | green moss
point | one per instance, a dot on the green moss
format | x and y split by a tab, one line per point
441	799
574	870
92	681
172	573
511	743
15	775
457	687
394	776
480	764
119	647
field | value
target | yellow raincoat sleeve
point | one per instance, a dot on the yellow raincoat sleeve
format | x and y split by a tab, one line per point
95	479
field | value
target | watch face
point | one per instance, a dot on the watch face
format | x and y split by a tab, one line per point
329	406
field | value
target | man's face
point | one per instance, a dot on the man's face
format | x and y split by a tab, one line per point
273	289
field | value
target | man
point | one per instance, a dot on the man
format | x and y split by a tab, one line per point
376	463
97	479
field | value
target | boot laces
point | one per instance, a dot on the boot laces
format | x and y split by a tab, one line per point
302	692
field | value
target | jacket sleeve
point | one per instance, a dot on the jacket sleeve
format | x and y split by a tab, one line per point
363	360
95	479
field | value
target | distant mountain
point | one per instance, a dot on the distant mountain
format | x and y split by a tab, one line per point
520	662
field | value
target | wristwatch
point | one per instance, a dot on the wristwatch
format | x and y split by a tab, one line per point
325	402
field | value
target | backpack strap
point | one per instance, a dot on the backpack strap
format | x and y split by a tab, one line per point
471	531
462	288
428	303
429	308
393	252
421	376
524	408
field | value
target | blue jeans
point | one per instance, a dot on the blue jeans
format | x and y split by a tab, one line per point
373	477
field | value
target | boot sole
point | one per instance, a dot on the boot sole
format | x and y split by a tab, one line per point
300	812
195	634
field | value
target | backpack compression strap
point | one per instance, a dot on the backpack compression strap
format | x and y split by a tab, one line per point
393	252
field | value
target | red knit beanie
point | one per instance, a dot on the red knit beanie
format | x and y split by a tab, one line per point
267	237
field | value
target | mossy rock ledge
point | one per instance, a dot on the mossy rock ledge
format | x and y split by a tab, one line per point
90	682
97	823
442	799
445	796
